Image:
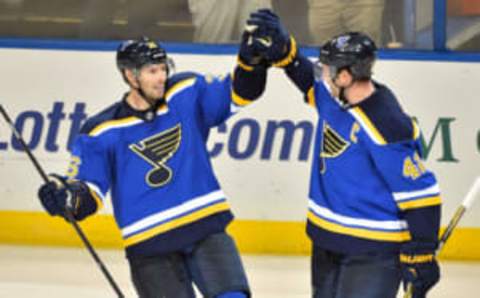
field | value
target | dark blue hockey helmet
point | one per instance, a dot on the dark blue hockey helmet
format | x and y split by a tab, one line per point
134	54
353	51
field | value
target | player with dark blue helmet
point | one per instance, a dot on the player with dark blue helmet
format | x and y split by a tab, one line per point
374	208
148	151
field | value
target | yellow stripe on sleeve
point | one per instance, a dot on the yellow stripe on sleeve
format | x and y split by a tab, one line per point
420	203
311	97
416	130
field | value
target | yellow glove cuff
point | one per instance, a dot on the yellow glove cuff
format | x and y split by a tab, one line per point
291	55
243	65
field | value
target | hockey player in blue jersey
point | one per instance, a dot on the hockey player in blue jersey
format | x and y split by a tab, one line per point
149	151
374	209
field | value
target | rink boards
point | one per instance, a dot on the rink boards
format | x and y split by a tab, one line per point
261	155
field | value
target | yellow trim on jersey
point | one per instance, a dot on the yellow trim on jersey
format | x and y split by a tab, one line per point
291	55
134	120
120	122
238	100
243	65
165	227
179	87
420	203
399	236
112	123
311	97
370	128
97	199
416	130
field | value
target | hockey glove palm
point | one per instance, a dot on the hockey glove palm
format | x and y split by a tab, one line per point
419	267
249	54
56	196
271	37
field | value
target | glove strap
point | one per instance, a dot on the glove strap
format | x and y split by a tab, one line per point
244	65
416	259
291	55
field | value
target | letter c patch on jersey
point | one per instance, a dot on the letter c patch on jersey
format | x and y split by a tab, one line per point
354	131
156	150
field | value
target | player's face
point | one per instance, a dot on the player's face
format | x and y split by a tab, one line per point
343	79
327	78
152	79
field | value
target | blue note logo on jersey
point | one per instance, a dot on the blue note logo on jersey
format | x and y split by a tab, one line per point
333	144
156	150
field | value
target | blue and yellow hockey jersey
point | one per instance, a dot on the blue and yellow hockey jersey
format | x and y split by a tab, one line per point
369	189
366	174
164	192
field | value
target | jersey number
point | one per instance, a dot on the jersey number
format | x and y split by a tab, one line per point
413	168
72	170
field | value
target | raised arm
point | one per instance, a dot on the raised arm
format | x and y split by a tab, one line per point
280	49
222	96
250	74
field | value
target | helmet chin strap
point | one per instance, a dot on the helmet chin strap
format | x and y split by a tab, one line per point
341	94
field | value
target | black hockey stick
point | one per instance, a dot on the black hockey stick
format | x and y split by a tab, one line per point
467	203
68	212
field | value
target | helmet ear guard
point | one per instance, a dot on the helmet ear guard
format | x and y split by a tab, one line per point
170	66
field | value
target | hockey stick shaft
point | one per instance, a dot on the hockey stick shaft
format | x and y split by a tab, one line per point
467	203
24	145
68	212
452	224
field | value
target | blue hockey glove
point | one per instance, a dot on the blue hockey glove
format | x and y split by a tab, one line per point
56	196
419	267
271	37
